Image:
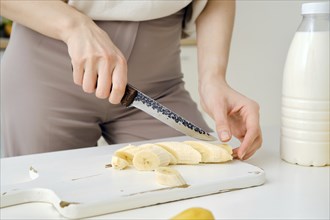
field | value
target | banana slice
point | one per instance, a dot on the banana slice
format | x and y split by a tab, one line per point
173	159
211	153
169	177
119	163
127	153
151	157
184	153
227	147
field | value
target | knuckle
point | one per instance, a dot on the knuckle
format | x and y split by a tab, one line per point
113	100
102	94
77	81
119	87
116	94
122	60
109	57
77	62
115	58
255	105
77	77
88	88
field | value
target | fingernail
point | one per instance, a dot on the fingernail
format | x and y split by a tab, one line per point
224	135
243	154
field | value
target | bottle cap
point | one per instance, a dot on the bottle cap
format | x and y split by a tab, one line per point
315	8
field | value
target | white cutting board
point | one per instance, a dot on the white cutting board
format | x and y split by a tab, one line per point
80	185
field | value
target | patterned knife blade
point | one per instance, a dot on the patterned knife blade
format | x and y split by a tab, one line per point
135	98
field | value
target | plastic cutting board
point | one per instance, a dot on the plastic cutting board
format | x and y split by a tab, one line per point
79	184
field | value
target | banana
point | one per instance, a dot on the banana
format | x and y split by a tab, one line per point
194	213
211	153
169	177
173	159
119	163
184	153
150	157
127	153
227	147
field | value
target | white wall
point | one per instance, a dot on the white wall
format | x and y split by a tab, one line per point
1	138
262	34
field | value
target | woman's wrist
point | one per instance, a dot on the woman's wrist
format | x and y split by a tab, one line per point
211	77
208	80
74	24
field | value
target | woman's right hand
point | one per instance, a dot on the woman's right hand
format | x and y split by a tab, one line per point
98	65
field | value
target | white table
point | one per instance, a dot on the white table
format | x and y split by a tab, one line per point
290	192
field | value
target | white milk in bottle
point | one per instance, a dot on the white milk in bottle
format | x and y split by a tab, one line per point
305	92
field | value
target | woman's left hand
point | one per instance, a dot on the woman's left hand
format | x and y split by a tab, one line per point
234	115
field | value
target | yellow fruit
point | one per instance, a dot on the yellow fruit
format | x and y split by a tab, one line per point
194	213
8	28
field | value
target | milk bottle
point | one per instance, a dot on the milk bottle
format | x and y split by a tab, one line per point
305	90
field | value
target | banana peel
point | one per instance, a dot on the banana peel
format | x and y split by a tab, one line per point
194	213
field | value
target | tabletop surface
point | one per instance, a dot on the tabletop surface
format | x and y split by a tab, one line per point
290	191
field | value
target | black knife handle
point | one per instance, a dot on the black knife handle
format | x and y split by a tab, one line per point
128	98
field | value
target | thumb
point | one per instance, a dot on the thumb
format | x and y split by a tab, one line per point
222	126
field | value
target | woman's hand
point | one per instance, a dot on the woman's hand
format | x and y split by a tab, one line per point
98	65
234	114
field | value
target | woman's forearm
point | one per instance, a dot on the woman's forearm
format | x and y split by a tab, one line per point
52	18
214	32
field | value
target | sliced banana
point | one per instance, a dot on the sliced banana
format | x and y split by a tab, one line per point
173	159
184	153
211	153
151	157
169	177
127	153
119	163
227	147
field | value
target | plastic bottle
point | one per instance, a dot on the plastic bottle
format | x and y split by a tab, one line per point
305	91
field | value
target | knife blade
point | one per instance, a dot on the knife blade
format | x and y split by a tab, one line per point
137	99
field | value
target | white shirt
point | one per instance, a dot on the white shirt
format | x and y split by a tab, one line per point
138	10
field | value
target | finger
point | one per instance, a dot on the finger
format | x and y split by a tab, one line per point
119	81
235	153
246	144
104	80
78	73
90	78
250	151
252	133
256	145
221	123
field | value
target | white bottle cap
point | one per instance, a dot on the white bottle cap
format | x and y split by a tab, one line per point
315	8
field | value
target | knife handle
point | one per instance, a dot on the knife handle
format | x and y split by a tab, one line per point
128	98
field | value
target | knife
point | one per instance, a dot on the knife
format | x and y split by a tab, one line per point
135	98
